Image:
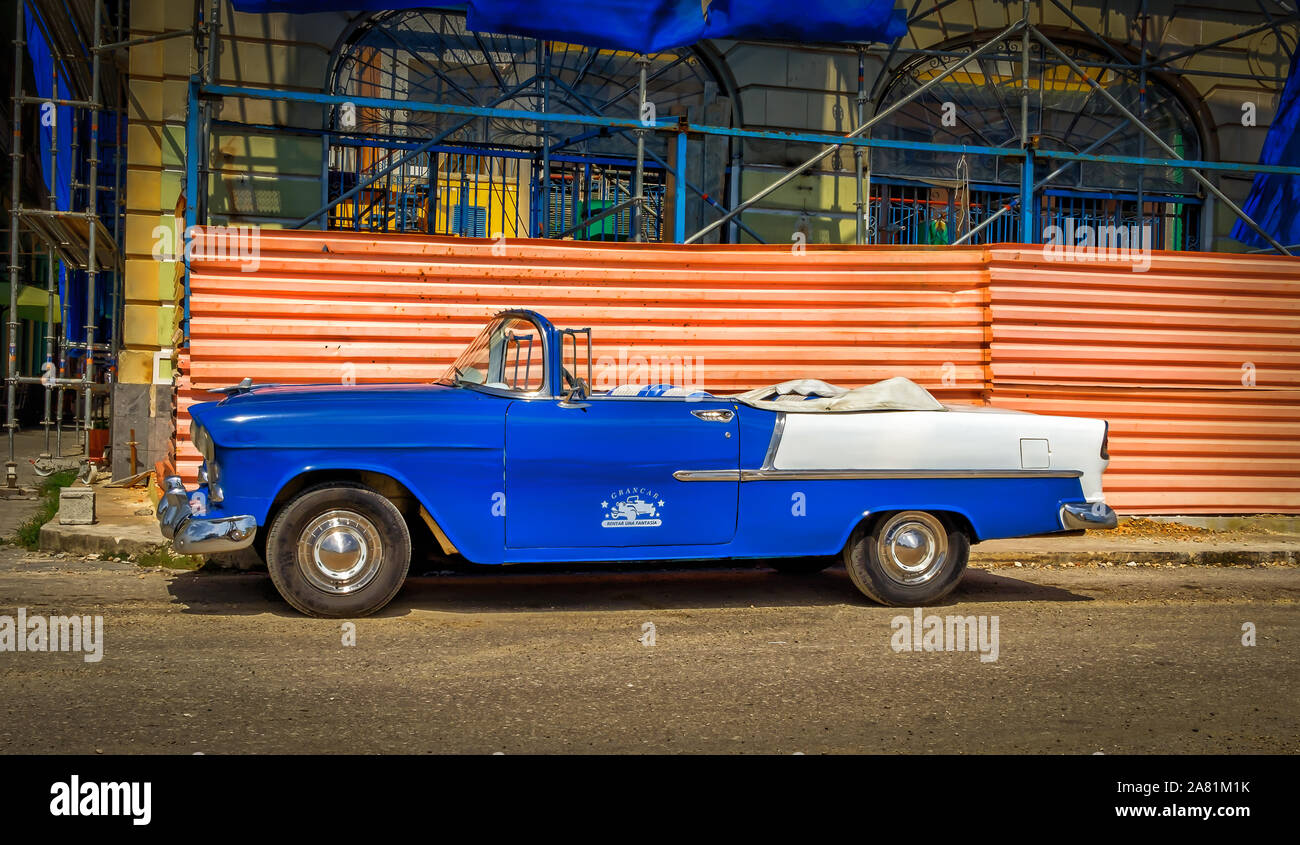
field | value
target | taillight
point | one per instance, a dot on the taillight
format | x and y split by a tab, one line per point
1105	442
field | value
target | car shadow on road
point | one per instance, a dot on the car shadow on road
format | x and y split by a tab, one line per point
597	587
980	585
228	594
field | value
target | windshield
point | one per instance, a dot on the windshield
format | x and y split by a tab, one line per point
506	355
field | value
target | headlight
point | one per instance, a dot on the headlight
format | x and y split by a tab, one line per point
202	441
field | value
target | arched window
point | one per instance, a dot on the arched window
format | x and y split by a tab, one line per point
484	176
922	193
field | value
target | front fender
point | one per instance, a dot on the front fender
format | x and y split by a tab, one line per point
462	489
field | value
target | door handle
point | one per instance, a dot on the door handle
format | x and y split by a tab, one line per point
716	415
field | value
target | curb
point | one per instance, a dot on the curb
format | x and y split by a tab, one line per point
107	539
1202	557
99	539
1282	523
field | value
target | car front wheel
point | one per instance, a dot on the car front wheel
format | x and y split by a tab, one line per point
338	550
906	558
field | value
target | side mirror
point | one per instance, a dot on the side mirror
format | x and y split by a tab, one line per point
576	397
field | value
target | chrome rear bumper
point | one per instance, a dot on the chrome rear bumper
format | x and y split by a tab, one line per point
193	535
1087	516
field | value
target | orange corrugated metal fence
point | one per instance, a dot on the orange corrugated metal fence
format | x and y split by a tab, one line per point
1151	351
1195	361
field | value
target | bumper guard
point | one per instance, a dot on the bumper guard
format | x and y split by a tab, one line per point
1087	516
193	535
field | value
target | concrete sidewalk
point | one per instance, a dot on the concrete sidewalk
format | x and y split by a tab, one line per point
1104	548
124	524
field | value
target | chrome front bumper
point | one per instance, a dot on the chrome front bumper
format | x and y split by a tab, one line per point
1087	516
194	535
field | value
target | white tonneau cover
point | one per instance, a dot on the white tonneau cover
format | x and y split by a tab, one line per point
808	394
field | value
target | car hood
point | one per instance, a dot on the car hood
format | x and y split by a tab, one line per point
325	392
330	416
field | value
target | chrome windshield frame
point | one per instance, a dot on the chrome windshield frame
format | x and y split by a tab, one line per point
544	392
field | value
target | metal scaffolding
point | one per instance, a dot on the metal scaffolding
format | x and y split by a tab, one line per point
1027	151
72	239
557	103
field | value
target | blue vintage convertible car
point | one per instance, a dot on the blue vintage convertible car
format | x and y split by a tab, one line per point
511	457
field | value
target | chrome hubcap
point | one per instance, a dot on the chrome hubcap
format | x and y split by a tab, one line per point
913	547
339	552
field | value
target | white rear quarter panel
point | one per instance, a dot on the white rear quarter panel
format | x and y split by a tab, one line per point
957	439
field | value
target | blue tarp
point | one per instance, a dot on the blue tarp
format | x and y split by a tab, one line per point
49	133
649	26
55	123
1274	201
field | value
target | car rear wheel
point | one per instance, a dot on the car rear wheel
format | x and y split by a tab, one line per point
338	550
906	558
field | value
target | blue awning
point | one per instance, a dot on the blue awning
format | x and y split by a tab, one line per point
649	26
1275	197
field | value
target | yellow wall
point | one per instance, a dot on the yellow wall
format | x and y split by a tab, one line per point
506	214
502	204
155	176
280	171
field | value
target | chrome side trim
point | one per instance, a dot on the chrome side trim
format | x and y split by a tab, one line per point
707	475
777	431
863	474
1084	516
836	474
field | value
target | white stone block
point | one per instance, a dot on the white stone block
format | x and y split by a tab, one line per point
77	506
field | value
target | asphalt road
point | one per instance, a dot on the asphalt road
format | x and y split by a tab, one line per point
1120	660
